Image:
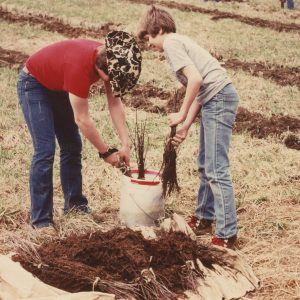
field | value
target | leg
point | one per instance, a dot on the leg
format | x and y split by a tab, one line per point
205	208
69	140
34	102
218	117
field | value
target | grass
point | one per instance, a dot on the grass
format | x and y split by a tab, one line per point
253	43
264	172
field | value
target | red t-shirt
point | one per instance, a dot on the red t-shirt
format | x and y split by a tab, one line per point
66	66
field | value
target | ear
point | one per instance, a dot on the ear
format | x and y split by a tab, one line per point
102	75
161	31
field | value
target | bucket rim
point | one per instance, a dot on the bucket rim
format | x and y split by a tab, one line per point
146	182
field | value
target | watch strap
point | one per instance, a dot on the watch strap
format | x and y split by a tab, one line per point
108	153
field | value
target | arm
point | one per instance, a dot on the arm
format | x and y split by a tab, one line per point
87	127
194	83
183	131
117	113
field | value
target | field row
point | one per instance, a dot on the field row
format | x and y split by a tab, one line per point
217	15
254	44
282	75
140	98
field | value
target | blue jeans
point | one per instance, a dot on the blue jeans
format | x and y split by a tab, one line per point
216	195
49	115
290	4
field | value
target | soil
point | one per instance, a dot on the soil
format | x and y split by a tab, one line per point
11	58
292	141
261	127
277	26
280	74
119	256
53	24
255	123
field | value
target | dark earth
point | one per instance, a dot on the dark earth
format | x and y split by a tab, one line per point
119	256
258	22
282	75
255	123
53	24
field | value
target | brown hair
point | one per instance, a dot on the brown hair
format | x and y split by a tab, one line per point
101	60
154	20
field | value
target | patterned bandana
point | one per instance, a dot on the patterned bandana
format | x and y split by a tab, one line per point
123	61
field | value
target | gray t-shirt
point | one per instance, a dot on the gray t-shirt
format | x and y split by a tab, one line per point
180	51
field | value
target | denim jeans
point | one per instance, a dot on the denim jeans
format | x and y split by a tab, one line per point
290	4
216	195
49	115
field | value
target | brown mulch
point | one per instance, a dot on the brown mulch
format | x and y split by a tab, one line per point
258	22
11	58
258	125
119	255
261	127
280	74
53	24
292	141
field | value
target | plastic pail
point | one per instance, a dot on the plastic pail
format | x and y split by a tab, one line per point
141	201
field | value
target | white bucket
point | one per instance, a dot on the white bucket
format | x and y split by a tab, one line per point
141	201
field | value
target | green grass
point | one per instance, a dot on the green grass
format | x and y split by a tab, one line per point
253	43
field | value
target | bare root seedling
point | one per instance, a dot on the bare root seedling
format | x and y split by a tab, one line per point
140	145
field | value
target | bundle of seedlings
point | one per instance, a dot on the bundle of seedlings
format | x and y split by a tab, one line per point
140	143
169	173
121	262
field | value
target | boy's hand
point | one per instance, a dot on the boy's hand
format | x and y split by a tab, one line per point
179	136
176	118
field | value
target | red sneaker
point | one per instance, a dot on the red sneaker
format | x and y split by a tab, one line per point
200	226
193	222
227	243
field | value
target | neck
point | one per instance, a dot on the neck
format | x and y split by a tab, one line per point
162	39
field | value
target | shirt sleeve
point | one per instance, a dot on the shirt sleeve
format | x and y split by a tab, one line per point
176	54
76	81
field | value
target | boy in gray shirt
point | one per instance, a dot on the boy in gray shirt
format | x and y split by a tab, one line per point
208	89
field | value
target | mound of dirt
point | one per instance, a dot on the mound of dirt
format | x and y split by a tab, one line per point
119	256
292	142
53	24
261	127
11	58
217	14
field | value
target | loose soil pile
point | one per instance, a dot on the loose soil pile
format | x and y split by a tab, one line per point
255	123
11	58
53	24
277	26
260	127
117	258
280	74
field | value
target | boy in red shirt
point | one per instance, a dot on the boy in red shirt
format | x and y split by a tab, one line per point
53	90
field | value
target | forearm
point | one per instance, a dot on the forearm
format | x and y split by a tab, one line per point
117	113
88	129
192	114
192	91
119	121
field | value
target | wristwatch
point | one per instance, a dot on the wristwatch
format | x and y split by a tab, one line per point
108	153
